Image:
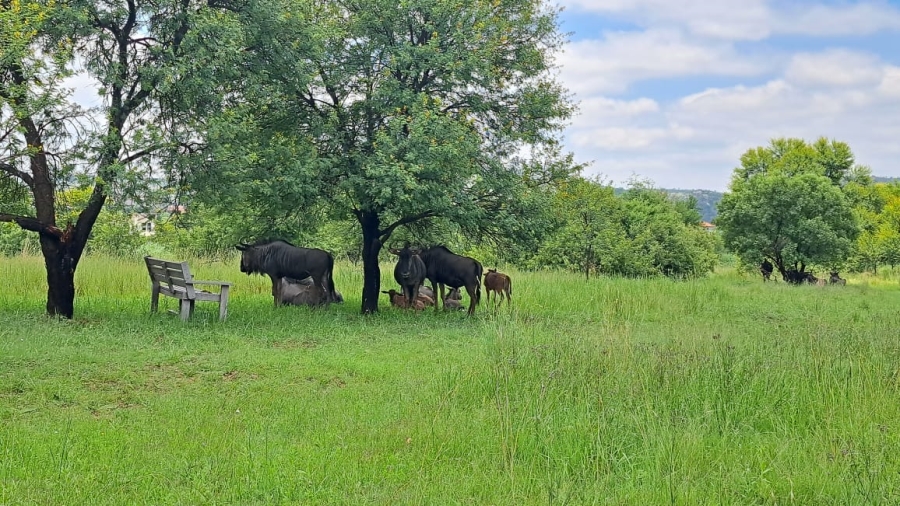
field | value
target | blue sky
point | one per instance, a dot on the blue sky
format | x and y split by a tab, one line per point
677	91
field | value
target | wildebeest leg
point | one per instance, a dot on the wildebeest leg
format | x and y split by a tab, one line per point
413	294
325	282
434	289
276	290
473	298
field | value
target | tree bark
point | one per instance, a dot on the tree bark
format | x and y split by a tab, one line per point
60	265
369	222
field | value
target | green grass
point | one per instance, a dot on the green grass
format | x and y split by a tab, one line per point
612	391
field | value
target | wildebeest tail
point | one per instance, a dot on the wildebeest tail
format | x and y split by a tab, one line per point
478	272
329	275
509	284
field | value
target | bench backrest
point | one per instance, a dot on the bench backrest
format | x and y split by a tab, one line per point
171	275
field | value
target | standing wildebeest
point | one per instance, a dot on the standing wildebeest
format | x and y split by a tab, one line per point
279	259
409	272
837	280
500	284
443	267
766	269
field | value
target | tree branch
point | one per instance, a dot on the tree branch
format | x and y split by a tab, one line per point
385	234
33	224
11	170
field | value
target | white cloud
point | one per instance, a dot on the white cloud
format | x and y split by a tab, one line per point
890	82
726	19
622	58
837	67
833	20
751	19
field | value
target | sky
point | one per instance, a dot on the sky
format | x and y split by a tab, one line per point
675	91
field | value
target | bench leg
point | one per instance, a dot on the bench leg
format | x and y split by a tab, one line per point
223	303
154	298
187	309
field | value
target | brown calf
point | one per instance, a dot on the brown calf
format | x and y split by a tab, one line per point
500	284
399	300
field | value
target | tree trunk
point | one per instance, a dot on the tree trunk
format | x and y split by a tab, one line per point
60	264
371	270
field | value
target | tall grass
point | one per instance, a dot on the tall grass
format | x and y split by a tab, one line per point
611	391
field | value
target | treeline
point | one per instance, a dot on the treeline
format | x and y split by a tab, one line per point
584	226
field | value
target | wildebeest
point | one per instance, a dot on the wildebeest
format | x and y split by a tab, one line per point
837	280
766	269
409	271
443	267
500	284
280	259
399	300
798	277
424	290
453	300
300	292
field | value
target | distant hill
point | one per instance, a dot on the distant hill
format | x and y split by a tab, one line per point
707	200
879	179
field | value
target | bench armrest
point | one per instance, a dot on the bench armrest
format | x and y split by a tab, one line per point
216	283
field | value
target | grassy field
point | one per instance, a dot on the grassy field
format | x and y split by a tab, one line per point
612	391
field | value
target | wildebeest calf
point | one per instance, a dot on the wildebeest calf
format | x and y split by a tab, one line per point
399	300
500	284
837	280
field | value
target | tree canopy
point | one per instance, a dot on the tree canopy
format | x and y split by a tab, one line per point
788	204
386	113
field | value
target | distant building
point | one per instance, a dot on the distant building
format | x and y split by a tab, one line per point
709	227
145	223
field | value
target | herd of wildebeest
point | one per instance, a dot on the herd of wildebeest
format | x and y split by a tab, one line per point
798	277
305	276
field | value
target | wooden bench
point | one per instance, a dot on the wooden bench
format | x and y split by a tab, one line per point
174	279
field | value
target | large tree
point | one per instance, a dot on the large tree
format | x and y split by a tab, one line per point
787	204
131	49
387	113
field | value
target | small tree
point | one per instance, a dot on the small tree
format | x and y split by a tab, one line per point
132	49
786	204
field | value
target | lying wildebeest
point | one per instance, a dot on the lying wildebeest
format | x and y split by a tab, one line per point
300	292
837	280
798	277
500	284
281	259
399	300
766	269
409	271
443	267
428	292
453	300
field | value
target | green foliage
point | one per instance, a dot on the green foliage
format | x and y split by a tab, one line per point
382	113
643	232
786	204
